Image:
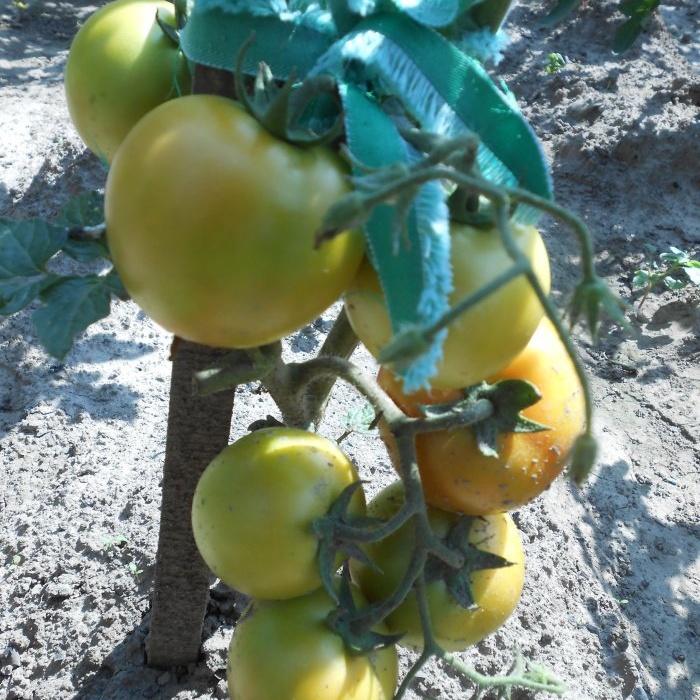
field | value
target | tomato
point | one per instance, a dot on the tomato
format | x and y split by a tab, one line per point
254	505
283	650
457	476
211	223
120	66
488	336
496	591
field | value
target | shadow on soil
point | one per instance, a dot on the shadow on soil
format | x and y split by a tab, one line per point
124	673
646	558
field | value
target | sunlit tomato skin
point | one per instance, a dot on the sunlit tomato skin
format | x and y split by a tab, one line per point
211	223
284	650
119	67
458	477
488	336
254	506
496	591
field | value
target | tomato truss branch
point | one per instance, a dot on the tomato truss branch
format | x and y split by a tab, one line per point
452	160
523	675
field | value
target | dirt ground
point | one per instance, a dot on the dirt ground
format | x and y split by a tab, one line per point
612	594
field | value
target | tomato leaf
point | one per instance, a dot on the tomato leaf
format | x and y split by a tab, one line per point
84	211
25	248
69	306
639	13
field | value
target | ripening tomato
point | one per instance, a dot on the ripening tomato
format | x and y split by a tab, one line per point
456	476
211	223
488	336
119	67
496	591
254	506
284	650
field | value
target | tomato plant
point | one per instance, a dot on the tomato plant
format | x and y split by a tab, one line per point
211	223
488	336
458	476
120	66
284	650
254	506
495	591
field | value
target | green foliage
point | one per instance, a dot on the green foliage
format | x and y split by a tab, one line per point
361	420
638	12
675	270
114	541
64	304
135	570
555	62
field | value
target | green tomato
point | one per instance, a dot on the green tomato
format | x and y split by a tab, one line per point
211	223
284	650
484	339
120	66
254	506
495	591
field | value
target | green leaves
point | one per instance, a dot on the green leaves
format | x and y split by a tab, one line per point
25	248
666	270
639	13
67	303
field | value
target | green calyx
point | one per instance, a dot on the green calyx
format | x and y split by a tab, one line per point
458	579
305	113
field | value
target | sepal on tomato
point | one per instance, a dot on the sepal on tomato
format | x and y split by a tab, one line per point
458	580
334	540
342	621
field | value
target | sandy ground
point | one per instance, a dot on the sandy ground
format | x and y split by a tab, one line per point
612	595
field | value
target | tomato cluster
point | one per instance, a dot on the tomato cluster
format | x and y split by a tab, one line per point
505	337
252	517
212	225
211	220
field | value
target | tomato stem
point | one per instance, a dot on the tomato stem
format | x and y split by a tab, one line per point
523	675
